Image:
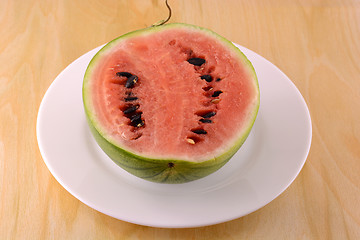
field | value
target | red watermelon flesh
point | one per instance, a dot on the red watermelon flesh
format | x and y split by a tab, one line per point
187	112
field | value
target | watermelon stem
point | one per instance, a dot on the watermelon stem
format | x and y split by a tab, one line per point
161	22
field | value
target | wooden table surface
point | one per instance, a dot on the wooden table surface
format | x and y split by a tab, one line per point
316	43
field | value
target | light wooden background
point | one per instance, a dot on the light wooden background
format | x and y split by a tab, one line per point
316	43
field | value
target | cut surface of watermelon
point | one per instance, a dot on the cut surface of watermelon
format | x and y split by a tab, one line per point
170	103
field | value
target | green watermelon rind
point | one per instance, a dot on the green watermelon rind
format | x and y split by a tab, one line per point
153	169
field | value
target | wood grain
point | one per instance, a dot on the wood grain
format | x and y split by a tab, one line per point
316	43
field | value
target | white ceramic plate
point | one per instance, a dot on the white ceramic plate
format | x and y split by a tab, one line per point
263	168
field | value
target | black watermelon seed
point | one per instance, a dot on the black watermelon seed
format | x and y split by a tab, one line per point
123	74
130	82
205	120
129	99
199	131
171	165
207	78
218	79
196	61
209	115
139	123
131	109
216	93
136	118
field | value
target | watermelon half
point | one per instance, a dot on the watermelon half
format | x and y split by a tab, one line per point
170	103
